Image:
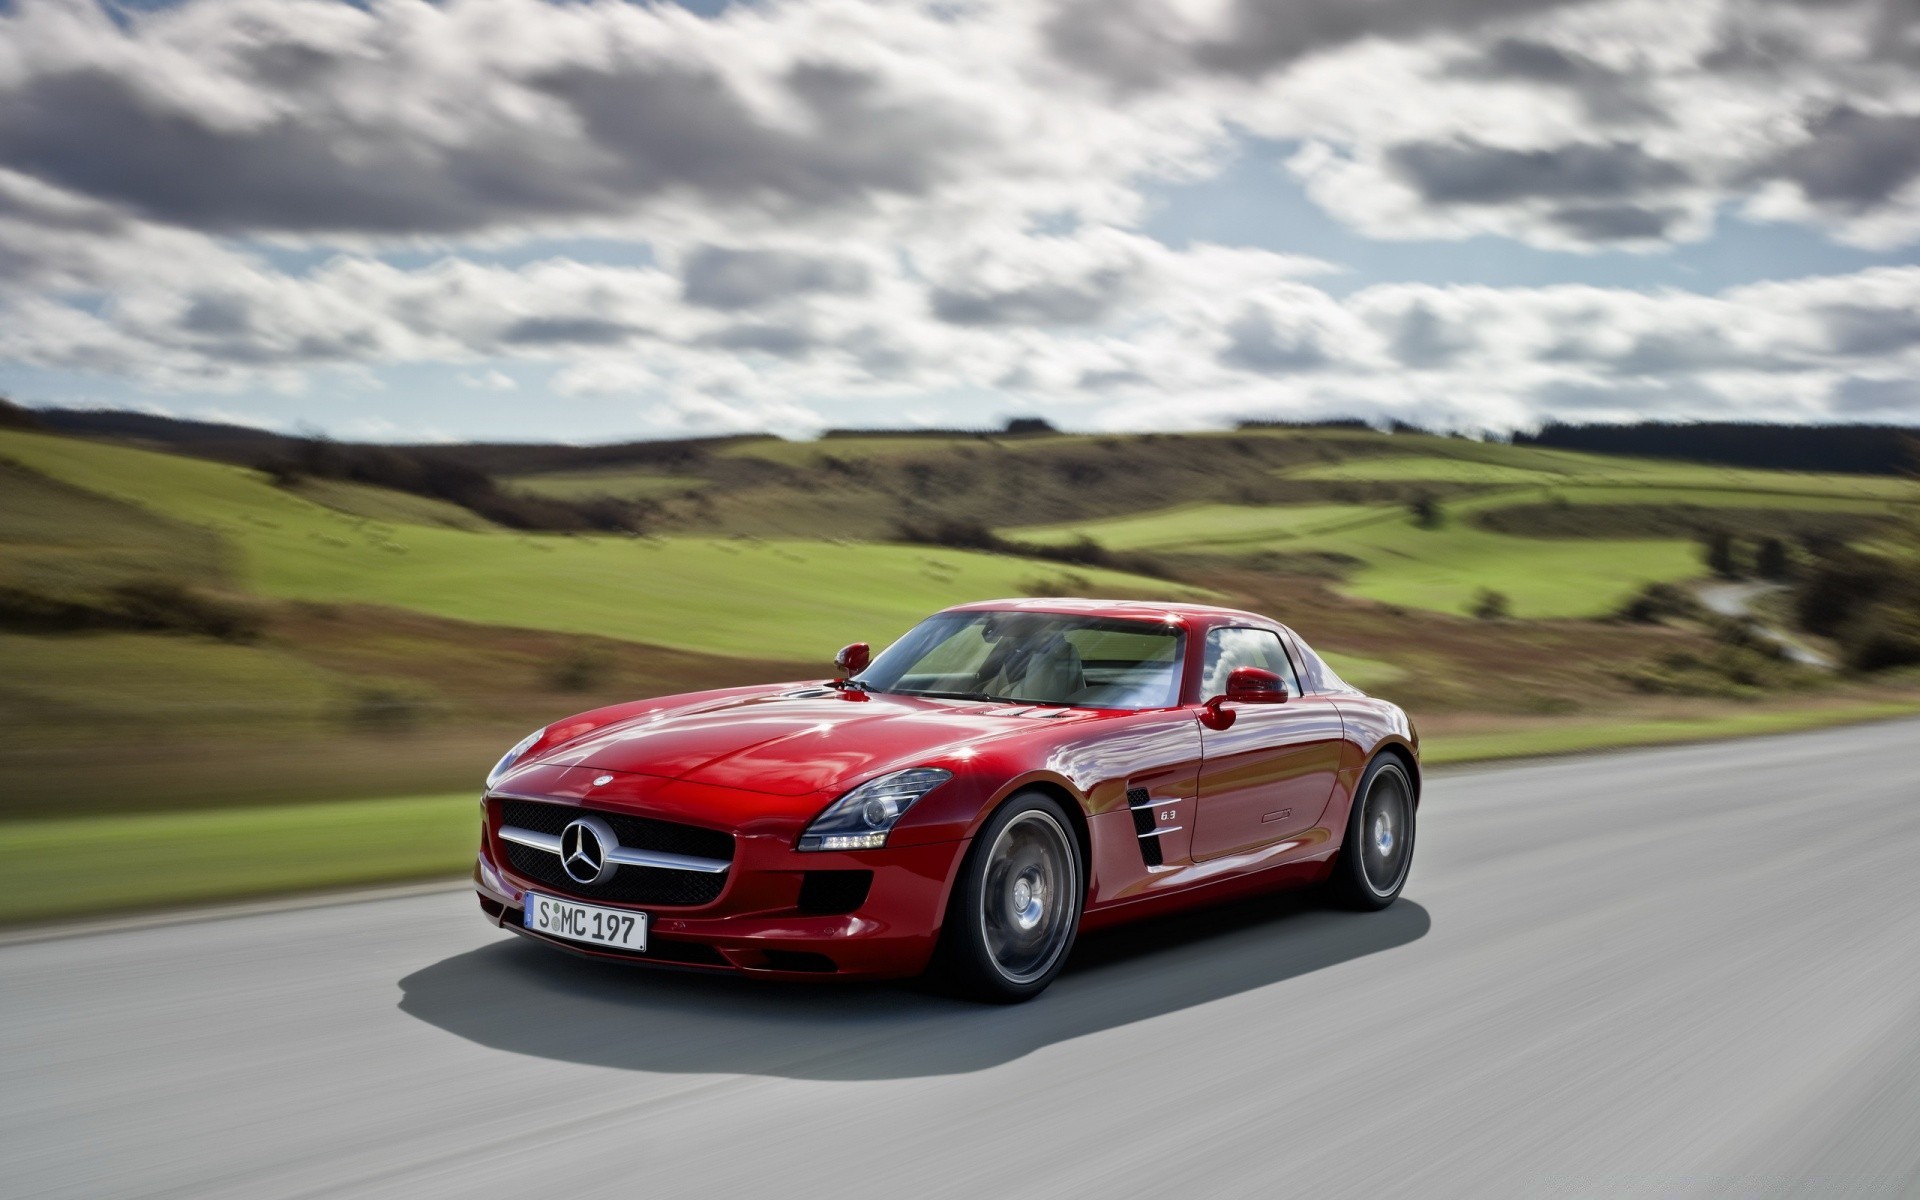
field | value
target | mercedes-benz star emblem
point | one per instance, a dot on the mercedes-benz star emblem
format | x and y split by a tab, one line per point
583	850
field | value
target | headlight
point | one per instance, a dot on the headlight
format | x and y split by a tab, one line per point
513	756
861	819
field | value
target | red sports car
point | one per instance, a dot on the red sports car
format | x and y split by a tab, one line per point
1005	775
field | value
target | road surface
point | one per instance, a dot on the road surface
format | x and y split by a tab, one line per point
1691	971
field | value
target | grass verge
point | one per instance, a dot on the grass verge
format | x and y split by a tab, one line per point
1573	738
83	866
89	866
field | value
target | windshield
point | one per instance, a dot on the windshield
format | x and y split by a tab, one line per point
1034	658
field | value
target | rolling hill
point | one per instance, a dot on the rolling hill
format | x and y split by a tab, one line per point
385	644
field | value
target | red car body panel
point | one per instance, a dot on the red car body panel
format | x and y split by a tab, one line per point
1243	798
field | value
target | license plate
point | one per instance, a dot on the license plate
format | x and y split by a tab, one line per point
585	923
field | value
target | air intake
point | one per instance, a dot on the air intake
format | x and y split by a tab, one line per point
1140	802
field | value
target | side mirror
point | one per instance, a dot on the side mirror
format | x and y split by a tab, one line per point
853	659
1253	685
1245	685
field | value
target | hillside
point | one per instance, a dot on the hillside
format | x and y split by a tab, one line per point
771	551
746	597
184	632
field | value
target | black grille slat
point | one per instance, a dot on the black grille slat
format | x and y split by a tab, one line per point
628	885
641	833
1137	801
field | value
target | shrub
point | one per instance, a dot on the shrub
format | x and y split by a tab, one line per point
577	671
1838	589
384	710
147	605
1771	561
443	478
1886	635
1427	512
164	606
1658	602
963	533
1065	584
1489	605
1717	551
1728	672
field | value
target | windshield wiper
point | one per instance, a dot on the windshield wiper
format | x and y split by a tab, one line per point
983	698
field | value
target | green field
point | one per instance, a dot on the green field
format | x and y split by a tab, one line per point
1401	563
1425	469
382	505
1502	465
1210	526
1404	564
783	599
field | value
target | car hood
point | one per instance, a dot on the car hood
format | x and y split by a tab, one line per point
799	741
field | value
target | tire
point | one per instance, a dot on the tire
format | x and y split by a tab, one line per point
1016	907
1377	853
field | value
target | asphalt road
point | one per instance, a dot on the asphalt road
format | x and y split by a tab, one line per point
1679	972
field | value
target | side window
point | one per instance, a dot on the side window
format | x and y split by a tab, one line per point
1230	648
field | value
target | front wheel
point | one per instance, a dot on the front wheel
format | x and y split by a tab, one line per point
1378	851
1016	906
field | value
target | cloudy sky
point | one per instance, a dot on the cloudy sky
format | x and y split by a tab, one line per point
584	221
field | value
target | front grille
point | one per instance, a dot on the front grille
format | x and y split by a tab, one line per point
628	885
641	833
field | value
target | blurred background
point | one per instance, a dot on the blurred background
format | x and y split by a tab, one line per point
389	380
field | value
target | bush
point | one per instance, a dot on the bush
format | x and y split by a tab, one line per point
1427	512
1489	605
962	533
1838	590
1658	602
1064	584
1887	635
1728	672
384	710
163	606
577	671
146	605
443	478
1717	551
1772	561
37	612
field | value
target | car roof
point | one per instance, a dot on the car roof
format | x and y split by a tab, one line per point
1194	614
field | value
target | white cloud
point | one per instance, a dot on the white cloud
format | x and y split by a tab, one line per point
490	380
868	201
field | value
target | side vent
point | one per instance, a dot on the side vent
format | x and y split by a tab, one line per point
1140	802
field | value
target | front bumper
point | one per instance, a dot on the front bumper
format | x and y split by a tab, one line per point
758	924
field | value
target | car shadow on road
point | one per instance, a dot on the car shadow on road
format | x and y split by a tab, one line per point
526	998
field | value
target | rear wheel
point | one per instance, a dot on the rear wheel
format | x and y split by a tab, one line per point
1378	851
1016	906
